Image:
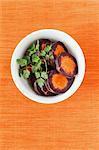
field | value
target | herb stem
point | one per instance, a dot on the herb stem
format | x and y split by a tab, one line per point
45	65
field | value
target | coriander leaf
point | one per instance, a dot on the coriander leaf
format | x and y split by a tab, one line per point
44	75
26	74
37	74
22	62
27	58
43	53
30	53
32	47
40	82
47	48
34	69
38	65
37	45
35	58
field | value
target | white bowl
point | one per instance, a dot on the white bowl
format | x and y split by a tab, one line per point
73	48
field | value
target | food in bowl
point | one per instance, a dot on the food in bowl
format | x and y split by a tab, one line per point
48	67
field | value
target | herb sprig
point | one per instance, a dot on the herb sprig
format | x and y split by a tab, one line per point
36	59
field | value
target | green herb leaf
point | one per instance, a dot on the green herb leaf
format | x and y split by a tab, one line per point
35	58
47	48
27	58
34	69
40	82
44	75
38	65
26	74
32	47
43	53
37	75
31	53
22	62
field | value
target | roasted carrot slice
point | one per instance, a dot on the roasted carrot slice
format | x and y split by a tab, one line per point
67	65
58	48
59	83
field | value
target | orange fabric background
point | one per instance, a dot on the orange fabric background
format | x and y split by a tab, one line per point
71	124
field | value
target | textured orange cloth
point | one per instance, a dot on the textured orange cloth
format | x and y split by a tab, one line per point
68	125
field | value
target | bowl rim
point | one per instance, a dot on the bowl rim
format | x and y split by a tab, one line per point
45	99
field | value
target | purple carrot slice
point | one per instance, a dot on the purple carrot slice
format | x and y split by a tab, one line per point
67	65
42	91
37	89
46	91
58	83
58	48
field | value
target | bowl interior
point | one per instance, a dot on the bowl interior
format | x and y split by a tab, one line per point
55	35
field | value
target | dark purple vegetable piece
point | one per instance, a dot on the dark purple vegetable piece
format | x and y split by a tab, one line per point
49	88
58	48
46	91
31	80
51	64
67	65
38	90
58	83
42	91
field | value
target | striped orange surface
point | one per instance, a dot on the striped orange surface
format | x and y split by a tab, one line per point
71	124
